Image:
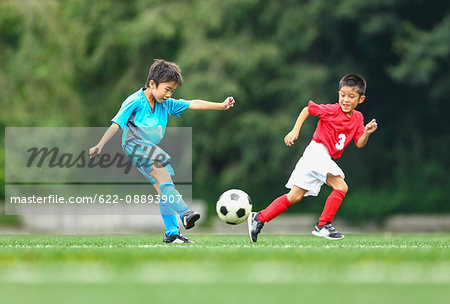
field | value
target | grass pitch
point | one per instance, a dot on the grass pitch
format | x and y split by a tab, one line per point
222	269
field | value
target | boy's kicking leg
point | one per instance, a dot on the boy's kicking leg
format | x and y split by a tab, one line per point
256	220
187	217
324	228
170	219
168	190
171	203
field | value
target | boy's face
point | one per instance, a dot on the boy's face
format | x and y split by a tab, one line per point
349	98
163	91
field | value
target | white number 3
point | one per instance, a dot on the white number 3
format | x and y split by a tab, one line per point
340	145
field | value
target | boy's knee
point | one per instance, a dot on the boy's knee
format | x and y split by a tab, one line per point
295	196
166	186
342	187
337	183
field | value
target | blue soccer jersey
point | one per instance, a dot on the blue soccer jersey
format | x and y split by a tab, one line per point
139	122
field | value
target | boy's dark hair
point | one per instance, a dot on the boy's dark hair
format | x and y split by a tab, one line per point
164	71
353	80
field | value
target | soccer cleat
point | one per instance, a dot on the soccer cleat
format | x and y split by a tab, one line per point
327	231
176	239
254	226
189	218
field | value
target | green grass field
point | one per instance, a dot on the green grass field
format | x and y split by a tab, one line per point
371	268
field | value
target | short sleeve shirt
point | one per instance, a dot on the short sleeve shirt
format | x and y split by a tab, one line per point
335	129
138	121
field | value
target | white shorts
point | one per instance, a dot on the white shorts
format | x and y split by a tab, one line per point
311	170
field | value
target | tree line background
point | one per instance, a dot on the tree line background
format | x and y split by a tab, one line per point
73	62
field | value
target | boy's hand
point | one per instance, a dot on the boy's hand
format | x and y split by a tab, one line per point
371	127
94	151
290	137
228	103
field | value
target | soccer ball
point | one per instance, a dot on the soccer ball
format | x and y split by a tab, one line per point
234	206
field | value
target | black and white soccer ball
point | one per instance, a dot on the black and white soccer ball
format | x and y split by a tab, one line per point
234	206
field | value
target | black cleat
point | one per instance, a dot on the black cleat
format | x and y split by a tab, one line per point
189	218
327	231
176	239
254	226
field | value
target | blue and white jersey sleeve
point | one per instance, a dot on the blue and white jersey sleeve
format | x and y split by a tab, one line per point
176	106
129	106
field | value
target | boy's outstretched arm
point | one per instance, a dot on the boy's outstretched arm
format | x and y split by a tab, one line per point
368	129
293	135
198	104
94	151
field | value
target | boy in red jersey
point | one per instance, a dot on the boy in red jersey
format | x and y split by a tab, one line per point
339	123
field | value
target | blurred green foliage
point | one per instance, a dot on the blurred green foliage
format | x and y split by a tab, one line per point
73	62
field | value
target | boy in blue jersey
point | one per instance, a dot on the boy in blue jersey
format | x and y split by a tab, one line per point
143	118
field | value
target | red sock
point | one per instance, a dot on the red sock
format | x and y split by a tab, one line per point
331	206
278	206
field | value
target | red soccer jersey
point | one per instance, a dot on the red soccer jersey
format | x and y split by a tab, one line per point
335	129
